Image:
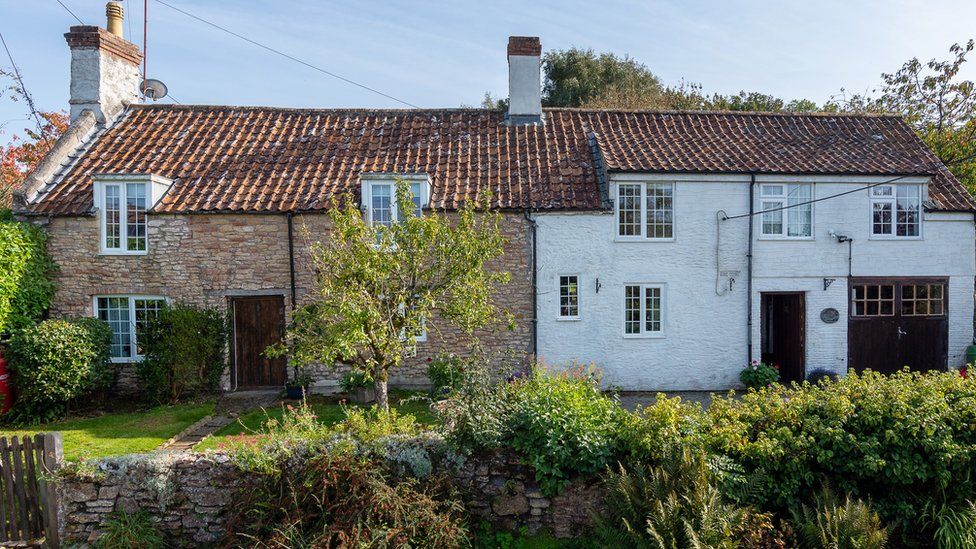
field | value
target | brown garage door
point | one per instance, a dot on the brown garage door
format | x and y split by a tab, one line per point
897	322
259	321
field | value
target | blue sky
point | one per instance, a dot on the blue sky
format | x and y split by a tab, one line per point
445	54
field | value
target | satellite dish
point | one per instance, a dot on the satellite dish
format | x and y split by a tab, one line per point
153	89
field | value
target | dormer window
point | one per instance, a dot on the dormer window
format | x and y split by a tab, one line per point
122	203
379	196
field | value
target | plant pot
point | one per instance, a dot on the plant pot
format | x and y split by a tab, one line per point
363	395
296	392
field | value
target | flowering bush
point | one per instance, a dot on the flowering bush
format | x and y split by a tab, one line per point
759	374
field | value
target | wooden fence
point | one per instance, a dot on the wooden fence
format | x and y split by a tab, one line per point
28	491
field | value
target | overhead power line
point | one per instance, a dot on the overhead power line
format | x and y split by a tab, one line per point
23	88
797	205
285	55
67	9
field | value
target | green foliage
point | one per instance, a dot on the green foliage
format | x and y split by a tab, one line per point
338	500
26	285
905	442
353	380
127	530
445	372
674	505
654	432
758	375
561	424
184	349
847	524
575	77
476	413
954	526
377	286
56	362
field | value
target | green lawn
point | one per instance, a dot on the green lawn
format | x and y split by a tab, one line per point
327	409
121	433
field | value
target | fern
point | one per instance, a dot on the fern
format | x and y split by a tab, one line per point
835	524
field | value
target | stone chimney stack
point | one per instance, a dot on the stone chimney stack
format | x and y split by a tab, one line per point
524	84
104	68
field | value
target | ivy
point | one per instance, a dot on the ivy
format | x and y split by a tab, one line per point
26	269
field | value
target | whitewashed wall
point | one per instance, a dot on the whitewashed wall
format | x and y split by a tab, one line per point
705	334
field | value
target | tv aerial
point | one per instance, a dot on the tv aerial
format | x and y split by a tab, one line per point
153	89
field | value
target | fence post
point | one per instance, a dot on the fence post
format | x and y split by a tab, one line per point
53	457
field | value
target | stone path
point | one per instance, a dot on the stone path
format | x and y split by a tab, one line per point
227	410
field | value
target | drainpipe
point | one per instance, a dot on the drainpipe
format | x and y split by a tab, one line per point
535	284
291	258
752	224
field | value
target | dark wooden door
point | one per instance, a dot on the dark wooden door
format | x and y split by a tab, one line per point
784	334
898	322
259	321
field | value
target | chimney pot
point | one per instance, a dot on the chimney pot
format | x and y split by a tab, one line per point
524	85
114	14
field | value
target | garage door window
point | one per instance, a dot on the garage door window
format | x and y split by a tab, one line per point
874	300
922	300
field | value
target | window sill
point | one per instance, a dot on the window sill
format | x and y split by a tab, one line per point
787	239
882	238
643	336
126	360
568	319
631	239
112	253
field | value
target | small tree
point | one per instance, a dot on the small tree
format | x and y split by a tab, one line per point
378	287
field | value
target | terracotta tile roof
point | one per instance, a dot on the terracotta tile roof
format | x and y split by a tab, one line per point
260	159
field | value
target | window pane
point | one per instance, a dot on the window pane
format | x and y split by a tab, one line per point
908	210
652	309
882	218
772	190
659	210
772	222
568	296
115	311
135	222
145	308
632	307
629	210
382	205
800	217
882	190
113	219
415	191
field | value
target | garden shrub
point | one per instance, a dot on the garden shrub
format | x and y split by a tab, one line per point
562	424
653	432
128	530
339	500
759	374
56	362
476	413
906	442
445	372
839	524
184	350
354	379
820	374
26	285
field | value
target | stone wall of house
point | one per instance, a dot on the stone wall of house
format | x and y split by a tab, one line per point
207	259
190	495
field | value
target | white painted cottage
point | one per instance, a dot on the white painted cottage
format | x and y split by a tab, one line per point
667	248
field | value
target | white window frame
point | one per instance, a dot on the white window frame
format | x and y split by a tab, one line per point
559	298
419	184
155	187
642	237
133	343
892	201
644	334
768	201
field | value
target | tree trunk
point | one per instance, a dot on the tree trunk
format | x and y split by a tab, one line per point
382	398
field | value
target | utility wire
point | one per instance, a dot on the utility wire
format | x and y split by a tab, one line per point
295	59
23	88
67	9
781	208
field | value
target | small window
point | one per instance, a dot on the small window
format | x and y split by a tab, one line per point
923	299
787	211
645	211
123	217
379	200
569	297
125	315
643	309
873	300
896	211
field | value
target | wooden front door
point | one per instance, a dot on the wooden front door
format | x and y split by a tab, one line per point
259	321
784	334
898	322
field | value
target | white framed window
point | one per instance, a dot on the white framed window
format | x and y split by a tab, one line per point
125	314
645	211
122	216
787	212
896	211
379	197
569	304
644	310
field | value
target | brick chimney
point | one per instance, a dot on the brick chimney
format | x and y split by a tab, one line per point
524	85
104	68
